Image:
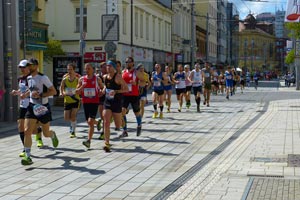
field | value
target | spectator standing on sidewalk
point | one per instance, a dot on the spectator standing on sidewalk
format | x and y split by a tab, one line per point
71	99
90	86
40	88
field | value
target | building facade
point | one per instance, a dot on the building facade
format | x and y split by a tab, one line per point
144	29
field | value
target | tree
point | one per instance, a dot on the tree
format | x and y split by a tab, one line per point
53	49
294	33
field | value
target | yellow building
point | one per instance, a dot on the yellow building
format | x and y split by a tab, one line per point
256	50
37	36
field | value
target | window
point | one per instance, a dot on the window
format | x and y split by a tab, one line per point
159	31
124	20
136	18
147	26
154	31
141	25
77	27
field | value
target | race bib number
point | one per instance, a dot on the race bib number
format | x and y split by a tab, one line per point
157	83
89	92
40	110
229	77
109	94
197	80
129	87
70	91
207	75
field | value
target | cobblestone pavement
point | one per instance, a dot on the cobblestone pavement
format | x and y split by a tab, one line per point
187	155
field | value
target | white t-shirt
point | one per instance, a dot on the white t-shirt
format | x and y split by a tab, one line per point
38	83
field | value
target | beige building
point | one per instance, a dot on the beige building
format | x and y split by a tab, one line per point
144	29
206	23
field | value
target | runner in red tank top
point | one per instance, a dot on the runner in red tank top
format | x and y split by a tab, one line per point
131	77
90	87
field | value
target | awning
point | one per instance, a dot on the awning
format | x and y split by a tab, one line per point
36	47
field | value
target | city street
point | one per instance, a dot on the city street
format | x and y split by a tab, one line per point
246	147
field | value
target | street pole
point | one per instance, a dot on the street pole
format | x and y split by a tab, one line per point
245	52
11	55
207	37
252	46
81	41
24	29
192	34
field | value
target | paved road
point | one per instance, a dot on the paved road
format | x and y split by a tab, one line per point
209	155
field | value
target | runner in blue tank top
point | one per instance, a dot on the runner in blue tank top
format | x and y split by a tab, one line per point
228	81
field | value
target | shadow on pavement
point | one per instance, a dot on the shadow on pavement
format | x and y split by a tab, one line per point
67	165
148	139
139	149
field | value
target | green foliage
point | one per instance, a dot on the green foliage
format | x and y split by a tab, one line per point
294	29
53	49
289	59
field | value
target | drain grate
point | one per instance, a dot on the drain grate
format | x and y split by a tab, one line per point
294	160
268	159
265	175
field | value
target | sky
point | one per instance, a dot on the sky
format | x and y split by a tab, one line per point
245	7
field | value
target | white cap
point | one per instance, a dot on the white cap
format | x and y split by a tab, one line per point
23	63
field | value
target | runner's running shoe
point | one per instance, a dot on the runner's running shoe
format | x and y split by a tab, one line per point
72	135
54	140
138	130
87	143
26	161
40	143
101	137
99	124
124	134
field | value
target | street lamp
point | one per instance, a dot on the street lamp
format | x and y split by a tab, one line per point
245	51
252	46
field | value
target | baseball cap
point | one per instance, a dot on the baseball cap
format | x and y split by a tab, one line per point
23	63
33	61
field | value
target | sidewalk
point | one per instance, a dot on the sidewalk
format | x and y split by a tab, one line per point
225	152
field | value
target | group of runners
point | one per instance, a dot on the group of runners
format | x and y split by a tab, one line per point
110	91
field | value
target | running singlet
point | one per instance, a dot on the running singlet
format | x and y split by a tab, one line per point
181	78
129	77
207	76
23	86
90	93
157	84
111	85
187	82
70	90
39	83
197	78
228	76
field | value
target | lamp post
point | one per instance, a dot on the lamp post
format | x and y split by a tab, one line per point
252	46
245	51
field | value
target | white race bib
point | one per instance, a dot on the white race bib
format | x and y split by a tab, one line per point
70	91
89	92
207	74
40	110
157	83
129	87
109	94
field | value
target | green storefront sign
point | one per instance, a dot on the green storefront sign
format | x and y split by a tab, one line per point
36	39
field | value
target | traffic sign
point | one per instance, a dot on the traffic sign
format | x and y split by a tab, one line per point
110	27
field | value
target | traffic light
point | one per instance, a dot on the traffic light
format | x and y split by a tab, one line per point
26	8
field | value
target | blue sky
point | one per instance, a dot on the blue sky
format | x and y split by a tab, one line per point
244	7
